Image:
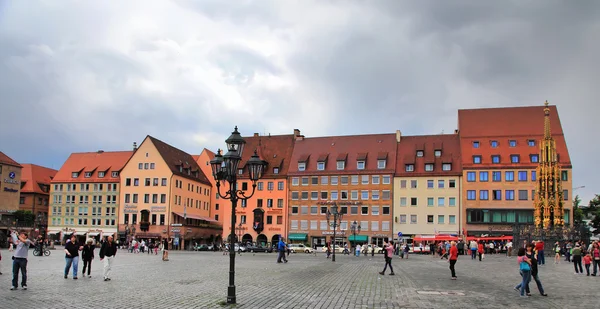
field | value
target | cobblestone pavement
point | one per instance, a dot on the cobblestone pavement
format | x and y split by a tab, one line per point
199	280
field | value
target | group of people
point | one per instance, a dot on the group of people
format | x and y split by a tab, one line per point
578	253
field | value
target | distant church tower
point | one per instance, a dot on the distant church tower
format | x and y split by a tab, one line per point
548	203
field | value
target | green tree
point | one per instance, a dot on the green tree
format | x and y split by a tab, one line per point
594	210
24	216
577	212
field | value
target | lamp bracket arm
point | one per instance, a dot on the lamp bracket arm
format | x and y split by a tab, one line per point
227	194
242	195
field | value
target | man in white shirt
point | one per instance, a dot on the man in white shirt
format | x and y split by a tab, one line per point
22	244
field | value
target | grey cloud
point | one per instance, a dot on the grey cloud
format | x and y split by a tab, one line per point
242	62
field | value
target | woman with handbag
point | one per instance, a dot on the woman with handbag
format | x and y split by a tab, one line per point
525	270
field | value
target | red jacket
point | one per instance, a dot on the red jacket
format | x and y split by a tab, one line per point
453	253
539	246
480	248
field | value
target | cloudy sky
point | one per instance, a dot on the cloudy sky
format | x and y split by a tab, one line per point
89	75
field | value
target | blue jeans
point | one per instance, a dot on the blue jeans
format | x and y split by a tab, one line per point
537	282
72	261
473	254
19	264
541	259
526	275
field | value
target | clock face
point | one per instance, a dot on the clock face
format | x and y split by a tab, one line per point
11	175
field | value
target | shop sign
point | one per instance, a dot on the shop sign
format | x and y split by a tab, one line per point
158	208
340	203
275	211
175	230
340	233
11	179
130	209
7	189
380	235
274	229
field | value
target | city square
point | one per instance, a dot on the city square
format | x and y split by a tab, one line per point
199	280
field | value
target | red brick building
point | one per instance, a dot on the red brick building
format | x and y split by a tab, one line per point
35	188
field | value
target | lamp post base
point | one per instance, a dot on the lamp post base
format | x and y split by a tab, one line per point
231	299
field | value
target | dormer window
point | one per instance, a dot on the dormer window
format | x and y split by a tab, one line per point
438	153
360	165
181	168
240	171
381	164
514	159
321	166
420	153
115	174
429	167
301	166
101	174
476	144
512	143
410	167
494	144
341	165
476	159
276	170
87	174
495	159
447	167
75	174
531	143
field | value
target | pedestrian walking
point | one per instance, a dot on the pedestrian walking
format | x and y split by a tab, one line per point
576	258
453	258
388	251
531	255
281	251
525	270
108	251
587	261
166	242
72	249
87	255
21	243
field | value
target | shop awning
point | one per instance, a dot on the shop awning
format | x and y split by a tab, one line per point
197	217
80	233
298	236
489	238
93	234
53	232
358	238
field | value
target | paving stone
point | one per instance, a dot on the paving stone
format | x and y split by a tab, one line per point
199	280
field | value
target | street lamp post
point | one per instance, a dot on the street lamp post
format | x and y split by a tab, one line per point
225	170
355	228
334	218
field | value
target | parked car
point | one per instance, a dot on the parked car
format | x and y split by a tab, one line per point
338	249
300	248
201	247
241	248
259	249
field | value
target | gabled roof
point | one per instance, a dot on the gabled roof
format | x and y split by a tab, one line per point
275	149
33	176
179	161
101	161
4	159
449	144
502	125
345	148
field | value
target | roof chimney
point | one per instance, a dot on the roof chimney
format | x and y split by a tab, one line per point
134	146
297	135
255	134
100	151
455	131
398	136
296	132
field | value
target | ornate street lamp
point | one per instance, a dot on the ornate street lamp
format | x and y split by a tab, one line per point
225	169
334	219
355	228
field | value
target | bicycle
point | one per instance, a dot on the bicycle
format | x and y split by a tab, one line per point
36	252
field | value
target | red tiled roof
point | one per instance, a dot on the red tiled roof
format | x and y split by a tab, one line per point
32	176
4	159
506	121
449	144
275	149
502	125
176	158
103	161
345	148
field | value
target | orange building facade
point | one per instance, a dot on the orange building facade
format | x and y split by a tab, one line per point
216	211
356	173
261	219
165	195
35	188
500	154
84	195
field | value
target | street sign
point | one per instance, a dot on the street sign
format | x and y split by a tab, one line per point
399	234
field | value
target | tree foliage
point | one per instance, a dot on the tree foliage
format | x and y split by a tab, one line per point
577	212
594	211
24	216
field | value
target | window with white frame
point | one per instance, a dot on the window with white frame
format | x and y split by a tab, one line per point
313	224
451	201
438	153
295	195
305	181
344	225
340	165
354	179
365	179
429	167
354	195
386	179
440	219
323	225
364	225
334	195
304	224
301	166
364	195
409	167
375	210
295	181
441	201
385	226
385	195
375	180
402	201
452	219
420	153
413	219
321	166
375	194
314	195
402	219
360	165
374	226
334	180
344	195
447	166
324	180
294	225
381	164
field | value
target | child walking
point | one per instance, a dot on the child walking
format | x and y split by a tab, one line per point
587	261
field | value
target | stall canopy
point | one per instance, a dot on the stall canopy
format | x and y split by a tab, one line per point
80	233
435	238
489	238
297	236
93	234
53	232
358	238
